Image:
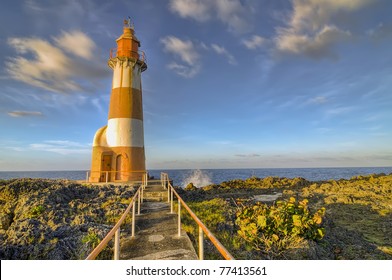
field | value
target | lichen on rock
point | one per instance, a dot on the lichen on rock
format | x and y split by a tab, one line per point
49	219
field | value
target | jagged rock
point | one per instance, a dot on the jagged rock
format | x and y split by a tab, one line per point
190	187
49	219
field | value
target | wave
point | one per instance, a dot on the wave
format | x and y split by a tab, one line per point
198	178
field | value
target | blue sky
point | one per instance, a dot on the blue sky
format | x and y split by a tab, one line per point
229	84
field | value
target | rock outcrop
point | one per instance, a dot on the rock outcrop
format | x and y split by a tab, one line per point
56	219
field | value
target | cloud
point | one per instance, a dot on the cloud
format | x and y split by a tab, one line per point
340	110
310	31
317	100
230	12
195	9
17	114
317	45
188	62
77	43
186	71
248	155
97	104
254	42
185	51
222	51
383	31
315	14
42	64
63	147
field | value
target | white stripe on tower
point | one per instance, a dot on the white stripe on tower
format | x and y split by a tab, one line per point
122	76
125	132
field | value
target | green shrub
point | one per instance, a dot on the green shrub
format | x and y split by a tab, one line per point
285	225
36	211
91	239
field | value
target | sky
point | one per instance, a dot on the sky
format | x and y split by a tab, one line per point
229	84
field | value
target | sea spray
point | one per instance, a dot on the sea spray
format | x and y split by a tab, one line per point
198	177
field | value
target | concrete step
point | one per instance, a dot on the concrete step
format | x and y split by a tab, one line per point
155	195
157	236
155	192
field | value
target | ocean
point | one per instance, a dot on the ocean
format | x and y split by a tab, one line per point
203	177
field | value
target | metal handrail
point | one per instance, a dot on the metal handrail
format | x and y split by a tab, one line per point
115	231
121	173
202	227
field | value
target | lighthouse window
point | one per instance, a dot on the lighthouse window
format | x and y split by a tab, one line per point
118	167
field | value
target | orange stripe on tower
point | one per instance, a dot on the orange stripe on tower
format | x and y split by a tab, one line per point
126	103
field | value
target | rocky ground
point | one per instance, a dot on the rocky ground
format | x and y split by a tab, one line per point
56	219
358	219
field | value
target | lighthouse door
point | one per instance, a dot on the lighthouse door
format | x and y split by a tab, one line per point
106	166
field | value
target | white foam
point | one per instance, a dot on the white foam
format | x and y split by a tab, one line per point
199	178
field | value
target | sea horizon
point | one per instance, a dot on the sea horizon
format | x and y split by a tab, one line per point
217	168
202	177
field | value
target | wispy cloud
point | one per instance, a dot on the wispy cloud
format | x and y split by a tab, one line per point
317	100
77	43
248	155
254	42
222	51
187	71
381	32
310	30
340	110
97	104
45	65
63	147
186	52
182	48
198	10
232	13
17	114
316	45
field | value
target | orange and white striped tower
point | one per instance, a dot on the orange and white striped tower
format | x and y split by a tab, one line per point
118	147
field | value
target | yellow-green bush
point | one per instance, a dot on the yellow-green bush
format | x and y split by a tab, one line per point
273	229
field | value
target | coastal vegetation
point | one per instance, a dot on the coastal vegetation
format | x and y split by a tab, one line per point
342	219
335	219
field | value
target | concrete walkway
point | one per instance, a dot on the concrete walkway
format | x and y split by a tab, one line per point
156	234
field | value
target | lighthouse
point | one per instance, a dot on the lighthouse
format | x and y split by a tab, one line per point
118	147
